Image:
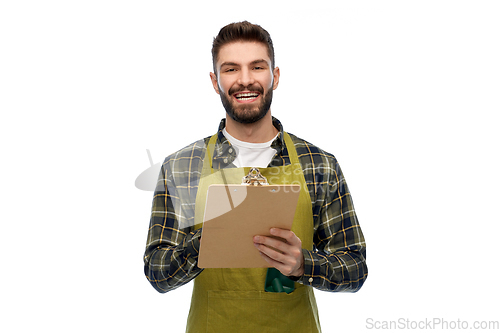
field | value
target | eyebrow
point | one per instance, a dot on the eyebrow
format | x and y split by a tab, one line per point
229	63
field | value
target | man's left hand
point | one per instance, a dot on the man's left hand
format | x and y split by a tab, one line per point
290	260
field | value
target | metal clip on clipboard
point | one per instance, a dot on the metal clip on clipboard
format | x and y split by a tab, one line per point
254	178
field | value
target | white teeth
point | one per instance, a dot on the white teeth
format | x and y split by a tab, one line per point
246	96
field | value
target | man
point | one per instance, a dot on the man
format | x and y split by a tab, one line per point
325	248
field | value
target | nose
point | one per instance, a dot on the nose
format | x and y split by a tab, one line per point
246	78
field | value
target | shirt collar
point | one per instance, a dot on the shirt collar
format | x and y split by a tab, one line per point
224	154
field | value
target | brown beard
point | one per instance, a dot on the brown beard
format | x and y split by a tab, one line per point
246	115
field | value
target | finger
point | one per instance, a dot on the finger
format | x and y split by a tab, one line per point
271	260
273	243
283	258
286	270
271	253
288	235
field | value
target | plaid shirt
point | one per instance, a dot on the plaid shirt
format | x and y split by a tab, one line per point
337	262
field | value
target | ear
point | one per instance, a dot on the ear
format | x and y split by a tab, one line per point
213	77
276	76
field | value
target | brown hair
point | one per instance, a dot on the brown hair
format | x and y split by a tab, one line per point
241	31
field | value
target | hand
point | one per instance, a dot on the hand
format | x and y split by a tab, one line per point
290	261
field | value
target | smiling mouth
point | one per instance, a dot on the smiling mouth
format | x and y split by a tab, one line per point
247	96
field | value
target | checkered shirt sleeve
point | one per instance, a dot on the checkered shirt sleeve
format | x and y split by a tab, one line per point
338	261
171	255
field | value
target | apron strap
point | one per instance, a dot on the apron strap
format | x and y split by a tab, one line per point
292	152
208	167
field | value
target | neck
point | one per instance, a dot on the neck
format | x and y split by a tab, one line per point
258	132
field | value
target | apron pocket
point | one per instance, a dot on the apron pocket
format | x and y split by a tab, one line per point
260	311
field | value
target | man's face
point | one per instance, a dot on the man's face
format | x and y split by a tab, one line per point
245	80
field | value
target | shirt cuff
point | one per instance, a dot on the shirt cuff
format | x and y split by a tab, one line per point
310	277
193	243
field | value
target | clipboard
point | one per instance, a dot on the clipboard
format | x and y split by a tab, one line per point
234	214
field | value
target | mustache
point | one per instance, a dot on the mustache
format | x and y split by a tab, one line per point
257	88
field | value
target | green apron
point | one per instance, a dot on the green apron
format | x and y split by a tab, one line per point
233	299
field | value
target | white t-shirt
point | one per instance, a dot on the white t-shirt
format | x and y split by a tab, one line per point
251	154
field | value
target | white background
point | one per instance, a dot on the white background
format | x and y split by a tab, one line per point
403	93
